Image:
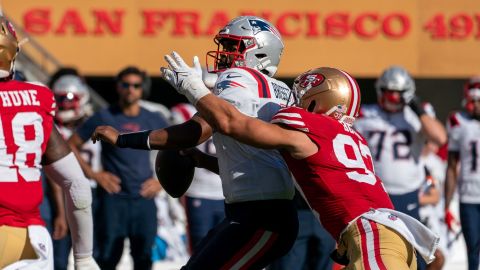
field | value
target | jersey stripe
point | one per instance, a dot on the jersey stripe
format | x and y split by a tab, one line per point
355	100
257	246
263	88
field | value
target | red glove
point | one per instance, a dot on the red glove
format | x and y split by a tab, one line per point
452	223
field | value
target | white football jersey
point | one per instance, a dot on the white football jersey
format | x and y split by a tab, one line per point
205	184
464	137
249	173
90	152
396	143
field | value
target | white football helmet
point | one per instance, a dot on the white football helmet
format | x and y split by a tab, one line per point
328	91
247	41
395	78
72	97
9	47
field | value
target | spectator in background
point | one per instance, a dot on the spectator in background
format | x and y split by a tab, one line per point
204	201
313	246
463	152
126	185
396	129
73	107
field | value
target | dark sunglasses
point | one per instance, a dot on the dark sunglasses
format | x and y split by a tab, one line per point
126	85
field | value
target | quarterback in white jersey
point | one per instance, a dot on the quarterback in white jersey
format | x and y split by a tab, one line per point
463	150
261	223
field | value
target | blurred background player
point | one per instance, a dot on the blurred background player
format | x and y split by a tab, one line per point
261	221
73	107
127	187
431	196
463	169
204	201
28	141
396	129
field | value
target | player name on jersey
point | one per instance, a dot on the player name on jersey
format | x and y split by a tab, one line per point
19	98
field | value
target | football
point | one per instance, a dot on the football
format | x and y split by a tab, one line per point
174	171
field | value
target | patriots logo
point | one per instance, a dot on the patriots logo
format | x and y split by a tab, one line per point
228	84
259	26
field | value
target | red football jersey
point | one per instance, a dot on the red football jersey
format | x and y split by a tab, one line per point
338	181
26	120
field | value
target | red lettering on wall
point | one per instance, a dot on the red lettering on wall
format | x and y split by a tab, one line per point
282	24
312	22
218	20
336	25
403	25
152	20
71	18
267	15
184	20
37	21
360	27
105	21
461	26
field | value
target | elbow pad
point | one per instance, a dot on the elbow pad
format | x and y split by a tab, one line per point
67	173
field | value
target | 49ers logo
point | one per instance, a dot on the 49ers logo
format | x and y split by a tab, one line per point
311	80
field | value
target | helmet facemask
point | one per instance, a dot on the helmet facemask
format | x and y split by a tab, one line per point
230	52
391	100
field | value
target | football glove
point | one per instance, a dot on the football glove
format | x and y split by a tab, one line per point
185	79
452	223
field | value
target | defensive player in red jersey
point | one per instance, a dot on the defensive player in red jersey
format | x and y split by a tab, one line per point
330	161
29	140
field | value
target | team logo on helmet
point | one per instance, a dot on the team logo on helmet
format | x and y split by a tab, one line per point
259	26
311	80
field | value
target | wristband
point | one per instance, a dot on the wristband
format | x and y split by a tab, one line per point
135	140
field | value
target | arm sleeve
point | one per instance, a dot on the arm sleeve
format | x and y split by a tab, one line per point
67	173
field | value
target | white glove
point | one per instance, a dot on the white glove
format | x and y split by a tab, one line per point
185	79
209	79
87	263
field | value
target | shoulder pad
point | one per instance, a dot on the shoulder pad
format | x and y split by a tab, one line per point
454	119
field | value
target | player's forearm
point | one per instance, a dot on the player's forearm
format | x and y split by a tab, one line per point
433	130
220	114
451	176
450	185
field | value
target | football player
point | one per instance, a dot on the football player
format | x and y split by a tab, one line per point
396	129
331	163
463	149
29	140
261	222
73	107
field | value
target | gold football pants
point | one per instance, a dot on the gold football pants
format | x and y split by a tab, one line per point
14	245
370	245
